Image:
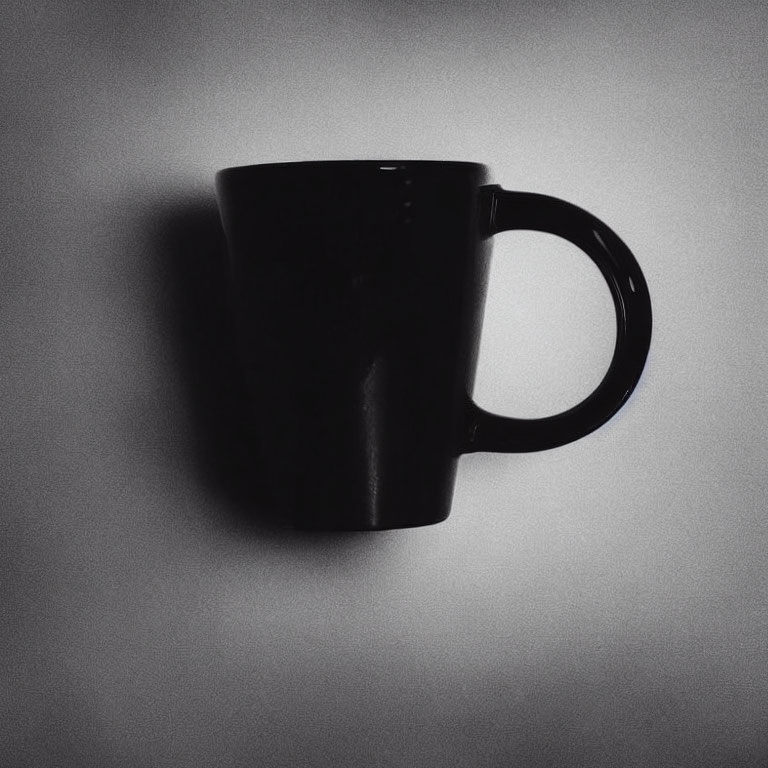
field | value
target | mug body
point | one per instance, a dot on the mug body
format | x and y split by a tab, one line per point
358	291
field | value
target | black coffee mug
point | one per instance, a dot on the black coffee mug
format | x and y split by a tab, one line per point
358	290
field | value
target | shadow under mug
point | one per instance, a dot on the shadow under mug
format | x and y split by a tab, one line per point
357	289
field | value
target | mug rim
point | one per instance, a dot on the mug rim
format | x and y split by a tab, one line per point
384	164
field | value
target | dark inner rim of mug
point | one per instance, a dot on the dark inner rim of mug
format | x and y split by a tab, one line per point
382	164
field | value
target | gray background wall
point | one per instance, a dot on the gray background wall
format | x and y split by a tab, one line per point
602	604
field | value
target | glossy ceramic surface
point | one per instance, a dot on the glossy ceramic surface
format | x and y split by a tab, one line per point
358	289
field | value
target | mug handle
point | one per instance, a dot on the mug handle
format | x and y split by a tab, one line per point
502	211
